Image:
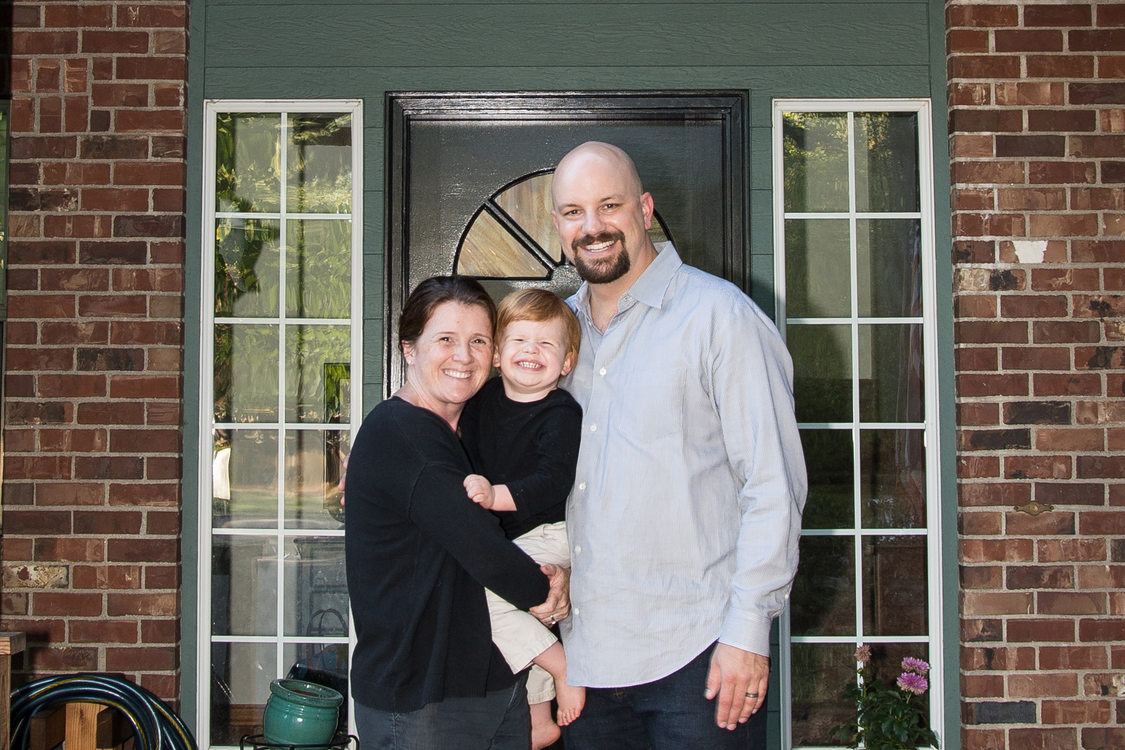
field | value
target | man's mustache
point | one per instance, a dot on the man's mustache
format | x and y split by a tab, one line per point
592	239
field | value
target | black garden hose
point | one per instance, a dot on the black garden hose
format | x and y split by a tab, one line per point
155	726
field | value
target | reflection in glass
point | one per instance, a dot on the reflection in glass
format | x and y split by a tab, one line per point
831	496
316	588
889	267
822	384
313	468
240	683
820	672
247	152
316	363
246	373
243	585
894	585
823	599
816	161
247	262
319	169
817	268
244	478
892	479
890	373
318	268
886	161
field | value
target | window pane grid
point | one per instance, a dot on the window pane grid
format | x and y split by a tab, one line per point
855	332
277	387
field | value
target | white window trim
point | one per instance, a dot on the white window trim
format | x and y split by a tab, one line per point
936	637
211	108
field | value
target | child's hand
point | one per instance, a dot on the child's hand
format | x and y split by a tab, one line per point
480	491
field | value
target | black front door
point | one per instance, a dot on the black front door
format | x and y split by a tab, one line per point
470	184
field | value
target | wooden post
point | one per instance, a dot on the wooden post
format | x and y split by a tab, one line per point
10	645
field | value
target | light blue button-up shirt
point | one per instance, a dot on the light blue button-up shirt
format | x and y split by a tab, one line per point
686	508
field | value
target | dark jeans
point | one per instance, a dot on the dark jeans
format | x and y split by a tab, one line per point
498	721
668	714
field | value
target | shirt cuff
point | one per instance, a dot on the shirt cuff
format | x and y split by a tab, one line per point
747	632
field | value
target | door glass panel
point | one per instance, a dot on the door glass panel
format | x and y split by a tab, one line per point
857	246
239	688
894	585
316	362
244	479
822	372
244	585
824	593
889	267
829	458
318	269
314	579
820	673
284	327
314	461
886	162
245	366
319	163
816	162
890	373
819	255
247	271
246	159
893	479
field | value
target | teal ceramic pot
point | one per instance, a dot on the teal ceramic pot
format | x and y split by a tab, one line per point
301	713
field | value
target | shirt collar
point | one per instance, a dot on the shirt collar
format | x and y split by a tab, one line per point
652	285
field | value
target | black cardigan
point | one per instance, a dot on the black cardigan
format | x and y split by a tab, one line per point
419	555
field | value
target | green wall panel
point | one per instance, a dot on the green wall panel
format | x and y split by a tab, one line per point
540	35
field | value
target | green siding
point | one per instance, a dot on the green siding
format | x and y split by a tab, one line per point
347	49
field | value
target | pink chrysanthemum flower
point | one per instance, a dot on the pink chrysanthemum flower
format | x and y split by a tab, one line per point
863	654
910	664
913	683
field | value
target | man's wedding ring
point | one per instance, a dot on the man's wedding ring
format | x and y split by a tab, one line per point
751	695
552	619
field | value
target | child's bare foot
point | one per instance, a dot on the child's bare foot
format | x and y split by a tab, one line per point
571	701
544	731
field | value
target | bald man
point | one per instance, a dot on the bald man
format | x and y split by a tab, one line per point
686	508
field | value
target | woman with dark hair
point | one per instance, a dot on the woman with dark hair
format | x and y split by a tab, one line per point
419	555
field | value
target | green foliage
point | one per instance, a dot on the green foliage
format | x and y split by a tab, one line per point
887	717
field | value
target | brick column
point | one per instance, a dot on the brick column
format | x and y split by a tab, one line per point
1037	137
94	381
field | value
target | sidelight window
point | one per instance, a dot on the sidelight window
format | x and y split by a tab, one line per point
853	226
281	352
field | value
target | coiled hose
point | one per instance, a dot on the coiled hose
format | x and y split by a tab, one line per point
155	726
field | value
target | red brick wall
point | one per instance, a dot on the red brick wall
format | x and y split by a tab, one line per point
94	381
1037	136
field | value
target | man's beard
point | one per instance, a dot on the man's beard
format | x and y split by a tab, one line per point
603	270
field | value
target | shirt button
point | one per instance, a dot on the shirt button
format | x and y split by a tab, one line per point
593	428
576	611
601	371
578	549
582	486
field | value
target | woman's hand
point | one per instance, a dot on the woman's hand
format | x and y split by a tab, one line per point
557	606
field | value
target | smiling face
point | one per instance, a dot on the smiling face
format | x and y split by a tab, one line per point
532	356
450	360
602	215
